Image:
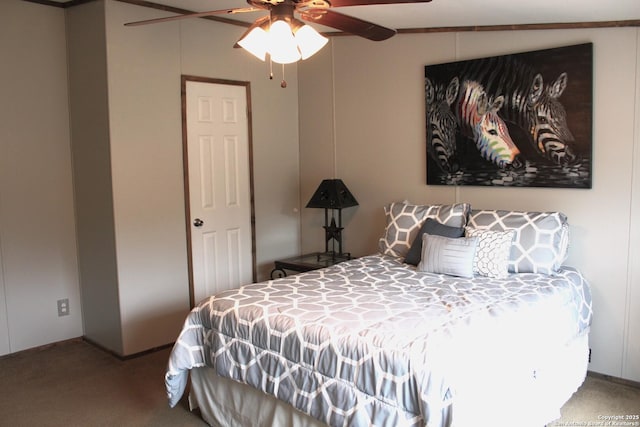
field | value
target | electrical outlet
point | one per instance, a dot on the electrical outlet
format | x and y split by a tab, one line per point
63	307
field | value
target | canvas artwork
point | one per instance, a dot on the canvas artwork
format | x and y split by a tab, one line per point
514	120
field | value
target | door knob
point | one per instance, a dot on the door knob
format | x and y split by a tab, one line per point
198	222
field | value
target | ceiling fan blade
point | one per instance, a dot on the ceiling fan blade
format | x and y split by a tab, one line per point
194	15
349	24
344	3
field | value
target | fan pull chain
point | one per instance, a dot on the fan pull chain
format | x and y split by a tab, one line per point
283	84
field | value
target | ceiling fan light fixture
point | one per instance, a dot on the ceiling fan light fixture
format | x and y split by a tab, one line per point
309	41
283	46
282	37
256	42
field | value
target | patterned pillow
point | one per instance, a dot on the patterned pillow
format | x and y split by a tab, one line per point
446	255
541	239
492	254
404	221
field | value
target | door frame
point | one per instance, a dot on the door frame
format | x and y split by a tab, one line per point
185	162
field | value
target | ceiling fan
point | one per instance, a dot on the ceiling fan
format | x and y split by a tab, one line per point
268	35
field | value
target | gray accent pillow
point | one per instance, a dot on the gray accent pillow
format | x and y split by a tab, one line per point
430	226
541	239
445	255
404	221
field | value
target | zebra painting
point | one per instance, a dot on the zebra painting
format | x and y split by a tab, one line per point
546	108
478	117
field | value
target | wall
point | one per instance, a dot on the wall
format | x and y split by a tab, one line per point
143	69
89	102
207	51
124	93
632	342
37	235
138	57
204	48
139	178
374	106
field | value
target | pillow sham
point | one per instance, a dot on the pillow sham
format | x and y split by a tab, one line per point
541	239
430	226
404	221
492	254
446	255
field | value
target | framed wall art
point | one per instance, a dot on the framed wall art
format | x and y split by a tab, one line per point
523	119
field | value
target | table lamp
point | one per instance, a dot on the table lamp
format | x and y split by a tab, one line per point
333	194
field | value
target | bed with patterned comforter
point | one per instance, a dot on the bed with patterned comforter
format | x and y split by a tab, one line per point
372	341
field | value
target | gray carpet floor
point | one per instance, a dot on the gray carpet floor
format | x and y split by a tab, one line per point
77	384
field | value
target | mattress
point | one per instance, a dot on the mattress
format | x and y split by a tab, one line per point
371	341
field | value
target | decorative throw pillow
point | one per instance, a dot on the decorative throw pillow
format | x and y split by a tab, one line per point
404	221
492	254
541	238
445	255
430	226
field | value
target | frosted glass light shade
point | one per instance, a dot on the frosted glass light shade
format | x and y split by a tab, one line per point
282	44
256	43
309	41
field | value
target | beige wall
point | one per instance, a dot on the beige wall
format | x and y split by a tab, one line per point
374	104
127	159
138	57
143	74
88	99
207	50
630	365
145	290
37	236
145	64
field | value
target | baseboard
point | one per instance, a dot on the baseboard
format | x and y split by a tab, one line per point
617	380
88	341
129	356
41	347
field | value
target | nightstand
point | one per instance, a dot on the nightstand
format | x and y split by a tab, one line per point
307	262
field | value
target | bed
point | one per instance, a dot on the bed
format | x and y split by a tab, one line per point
463	318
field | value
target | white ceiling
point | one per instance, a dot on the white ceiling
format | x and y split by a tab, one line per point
454	13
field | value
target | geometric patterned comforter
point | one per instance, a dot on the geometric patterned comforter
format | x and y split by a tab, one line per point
371	341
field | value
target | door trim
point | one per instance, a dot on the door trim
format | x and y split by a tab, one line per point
185	166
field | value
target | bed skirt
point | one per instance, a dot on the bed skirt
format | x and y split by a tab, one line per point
226	403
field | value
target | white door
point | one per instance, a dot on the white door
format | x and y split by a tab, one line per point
219	208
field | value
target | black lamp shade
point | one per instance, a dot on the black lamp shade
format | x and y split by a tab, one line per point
332	194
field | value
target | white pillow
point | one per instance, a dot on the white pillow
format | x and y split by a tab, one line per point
492	255
446	255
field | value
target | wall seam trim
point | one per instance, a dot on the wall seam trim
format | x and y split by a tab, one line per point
456	192
635	180
333	112
3	289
